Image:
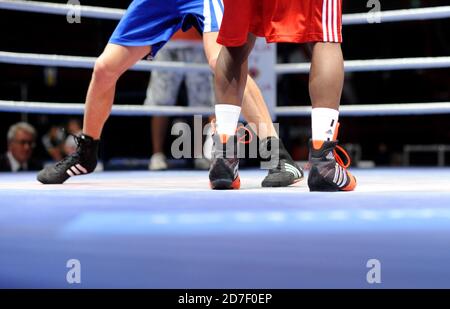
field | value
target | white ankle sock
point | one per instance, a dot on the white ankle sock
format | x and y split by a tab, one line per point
227	117
324	121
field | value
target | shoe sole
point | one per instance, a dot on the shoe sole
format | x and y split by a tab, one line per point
326	186
225	184
323	189
46	182
277	184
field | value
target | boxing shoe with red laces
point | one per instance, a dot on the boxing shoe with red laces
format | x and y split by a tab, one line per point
328	171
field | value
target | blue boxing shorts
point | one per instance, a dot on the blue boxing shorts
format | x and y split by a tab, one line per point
153	22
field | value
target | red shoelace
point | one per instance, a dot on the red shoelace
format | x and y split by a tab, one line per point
339	158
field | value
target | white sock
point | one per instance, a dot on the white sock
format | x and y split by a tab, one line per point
324	121
227	117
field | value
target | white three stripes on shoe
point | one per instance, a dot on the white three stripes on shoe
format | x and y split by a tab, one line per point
236	171
76	170
340	176
292	169
81	168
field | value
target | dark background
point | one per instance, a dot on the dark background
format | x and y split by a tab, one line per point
130	137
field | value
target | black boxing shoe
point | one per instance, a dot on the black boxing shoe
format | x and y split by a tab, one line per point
328	171
285	171
223	173
82	161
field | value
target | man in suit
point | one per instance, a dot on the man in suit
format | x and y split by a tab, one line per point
21	142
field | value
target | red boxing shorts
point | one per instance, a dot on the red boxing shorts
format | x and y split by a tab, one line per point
293	21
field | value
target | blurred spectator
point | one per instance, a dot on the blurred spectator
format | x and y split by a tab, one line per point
53	142
21	139
164	87
73	129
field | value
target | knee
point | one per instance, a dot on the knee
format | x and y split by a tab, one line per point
105	71
212	63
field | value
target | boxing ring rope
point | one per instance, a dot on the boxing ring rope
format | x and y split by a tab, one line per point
118	110
430	108
61	9
136	110
371	65
288	68
115	14
88	62
437	12
393	109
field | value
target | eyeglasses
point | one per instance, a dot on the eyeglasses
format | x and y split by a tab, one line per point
23	142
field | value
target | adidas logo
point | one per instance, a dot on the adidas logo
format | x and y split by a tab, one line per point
330	156
76	170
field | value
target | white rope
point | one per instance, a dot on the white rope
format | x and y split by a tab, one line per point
374	65
350	65
437	12
139	110
119	110
144	110
88	62
374	109
61	9
115	14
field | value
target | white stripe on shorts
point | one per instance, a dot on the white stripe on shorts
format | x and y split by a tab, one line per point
330	20
324	21
218	11
335	17
213	13
207	15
